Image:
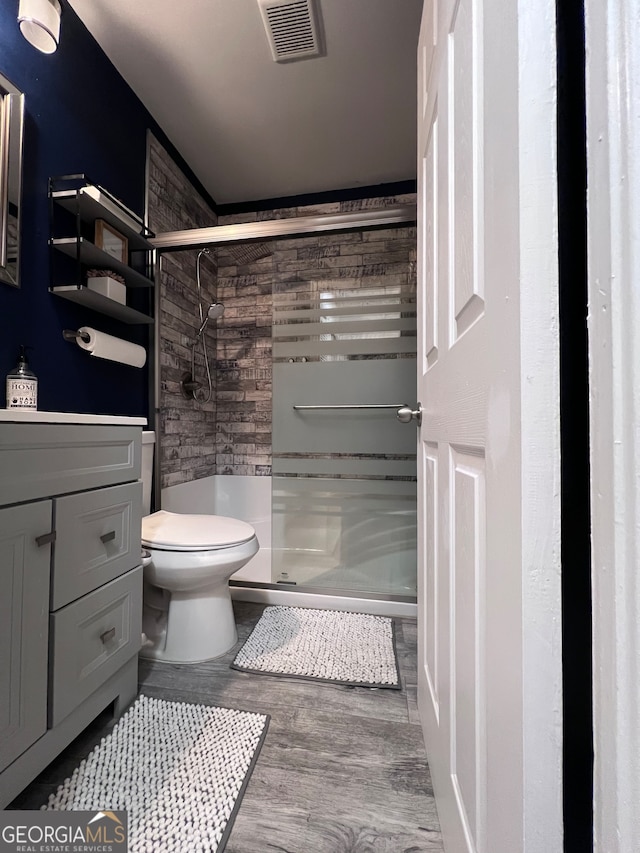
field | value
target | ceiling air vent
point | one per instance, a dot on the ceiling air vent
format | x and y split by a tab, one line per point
292	28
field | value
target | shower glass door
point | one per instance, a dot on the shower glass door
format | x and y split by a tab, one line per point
344	479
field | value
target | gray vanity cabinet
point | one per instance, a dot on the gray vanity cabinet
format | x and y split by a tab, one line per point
71	586
24	626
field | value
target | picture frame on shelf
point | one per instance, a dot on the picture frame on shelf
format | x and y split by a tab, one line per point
111	241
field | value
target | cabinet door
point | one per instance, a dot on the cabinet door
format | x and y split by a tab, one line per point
24	627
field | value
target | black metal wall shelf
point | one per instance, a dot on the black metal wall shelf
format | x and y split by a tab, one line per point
97	302
91	255
92	203
85	202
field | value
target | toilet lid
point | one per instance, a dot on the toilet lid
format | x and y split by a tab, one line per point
172	531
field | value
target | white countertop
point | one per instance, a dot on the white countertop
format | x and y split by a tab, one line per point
28	417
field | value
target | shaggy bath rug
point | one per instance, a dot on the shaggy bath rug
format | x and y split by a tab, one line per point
178	770
324	645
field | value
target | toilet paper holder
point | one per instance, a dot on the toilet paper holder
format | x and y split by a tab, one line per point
70	335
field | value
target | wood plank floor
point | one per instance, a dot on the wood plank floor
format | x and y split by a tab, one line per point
342	770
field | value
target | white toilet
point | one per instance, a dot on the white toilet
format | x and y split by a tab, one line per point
187	613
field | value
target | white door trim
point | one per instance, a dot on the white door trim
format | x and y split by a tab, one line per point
540	438
613	169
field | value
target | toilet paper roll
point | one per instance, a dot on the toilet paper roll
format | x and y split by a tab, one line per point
113	349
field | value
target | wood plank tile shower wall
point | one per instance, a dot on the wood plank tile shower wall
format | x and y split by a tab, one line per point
188	429
232	433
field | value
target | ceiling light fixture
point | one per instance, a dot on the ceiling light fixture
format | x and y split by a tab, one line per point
40	23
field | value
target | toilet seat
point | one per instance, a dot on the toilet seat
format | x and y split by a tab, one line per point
172	531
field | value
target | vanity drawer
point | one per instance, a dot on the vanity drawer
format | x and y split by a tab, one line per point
43	460
91	639
97	539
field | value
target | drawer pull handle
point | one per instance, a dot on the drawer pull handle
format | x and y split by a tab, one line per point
108	635
108	537
46	539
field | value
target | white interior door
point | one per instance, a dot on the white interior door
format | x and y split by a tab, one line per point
489	678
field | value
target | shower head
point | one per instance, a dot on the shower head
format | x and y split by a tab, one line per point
214	312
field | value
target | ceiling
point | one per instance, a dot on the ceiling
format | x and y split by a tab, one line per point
251	128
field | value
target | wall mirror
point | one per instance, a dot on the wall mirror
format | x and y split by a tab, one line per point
11	130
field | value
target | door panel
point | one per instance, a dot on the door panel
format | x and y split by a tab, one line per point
464	167
467	620
429	524
430	219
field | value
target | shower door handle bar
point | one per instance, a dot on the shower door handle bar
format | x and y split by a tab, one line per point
352	406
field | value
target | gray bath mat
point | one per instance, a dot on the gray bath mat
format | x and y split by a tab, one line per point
178	770
323	645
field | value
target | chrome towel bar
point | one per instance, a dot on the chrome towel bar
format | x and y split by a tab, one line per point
353	406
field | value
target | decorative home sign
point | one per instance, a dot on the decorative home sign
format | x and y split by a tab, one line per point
111	241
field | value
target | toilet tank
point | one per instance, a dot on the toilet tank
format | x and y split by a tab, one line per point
148	446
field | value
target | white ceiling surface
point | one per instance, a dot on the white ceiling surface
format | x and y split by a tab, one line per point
251	128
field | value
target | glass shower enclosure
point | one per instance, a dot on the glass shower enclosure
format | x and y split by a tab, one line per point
344	467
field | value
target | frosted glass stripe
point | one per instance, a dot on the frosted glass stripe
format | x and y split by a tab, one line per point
346	295
300	330
315	313
362	346
348	467
301	299
345	288
326	489
328	502
362	381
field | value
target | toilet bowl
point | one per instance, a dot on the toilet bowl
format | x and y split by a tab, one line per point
187	610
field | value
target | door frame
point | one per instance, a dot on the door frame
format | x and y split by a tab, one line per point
613	214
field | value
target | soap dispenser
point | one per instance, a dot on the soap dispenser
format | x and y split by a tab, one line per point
22	385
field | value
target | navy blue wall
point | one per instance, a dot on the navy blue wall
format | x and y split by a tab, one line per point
80	117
